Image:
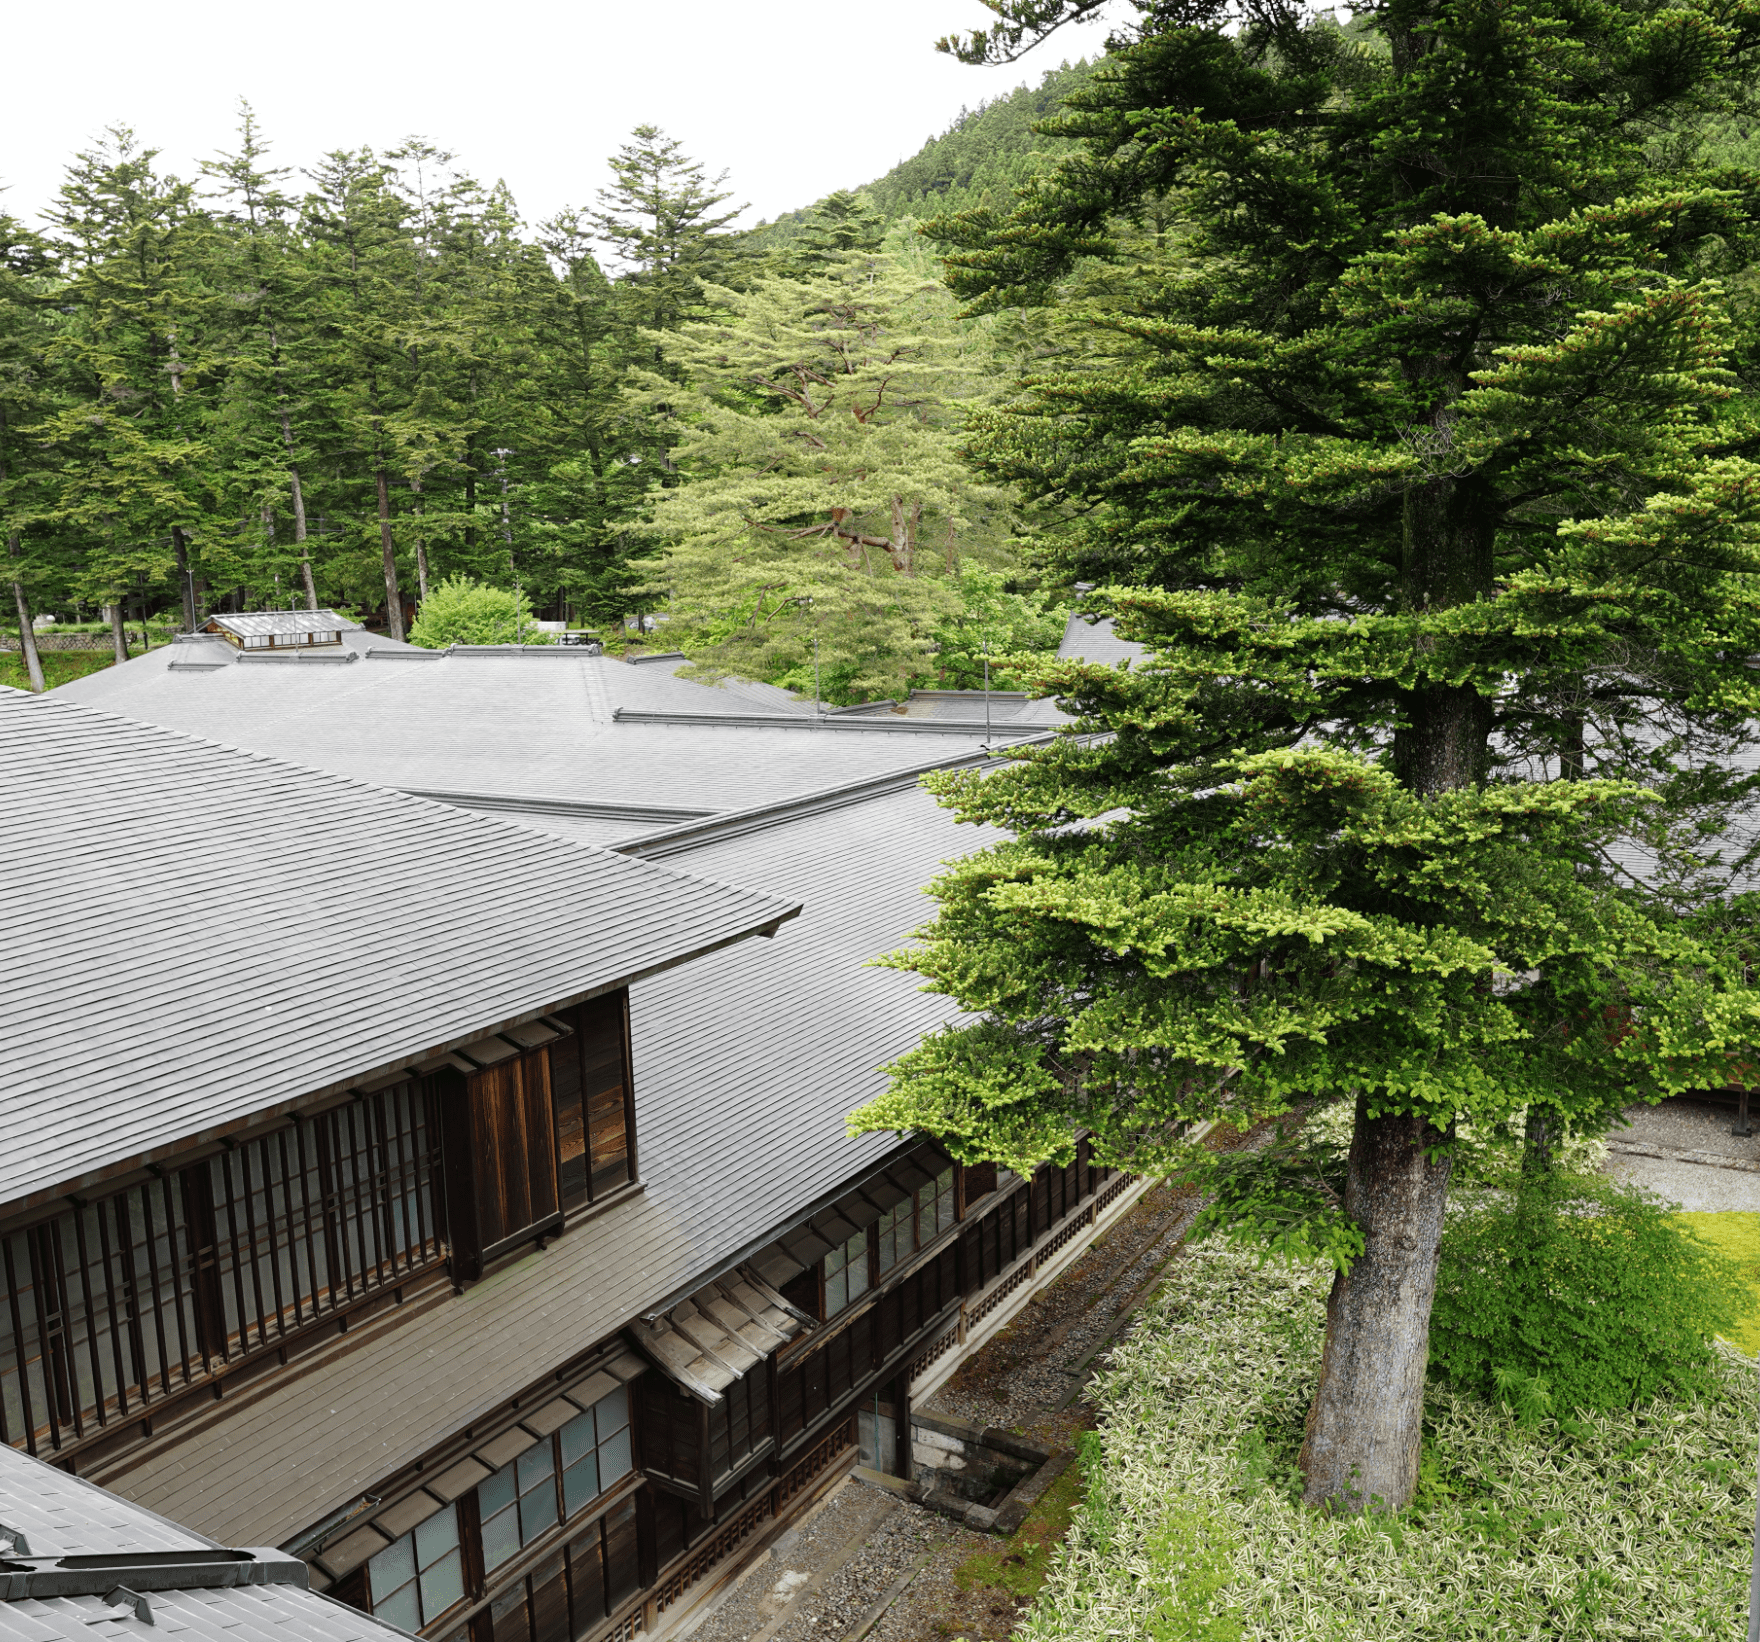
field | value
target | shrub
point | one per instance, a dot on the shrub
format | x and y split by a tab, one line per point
1576	1293
461	611
1617	1527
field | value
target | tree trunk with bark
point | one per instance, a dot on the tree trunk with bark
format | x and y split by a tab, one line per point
118	633
299	513
1366	1426
186	582
27	634
387	548
415	486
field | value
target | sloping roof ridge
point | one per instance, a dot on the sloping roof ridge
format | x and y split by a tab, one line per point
691	835
805	721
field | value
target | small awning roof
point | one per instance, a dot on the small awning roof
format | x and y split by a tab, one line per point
720	1333
281	623
802	1245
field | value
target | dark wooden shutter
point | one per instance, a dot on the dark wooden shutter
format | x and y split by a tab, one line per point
595	1101
204	1261
508	1618
623	1572
351	1589
586	1581
513	1135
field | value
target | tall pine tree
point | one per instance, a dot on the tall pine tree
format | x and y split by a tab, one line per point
1434	414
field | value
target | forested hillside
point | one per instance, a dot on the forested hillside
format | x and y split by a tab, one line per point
980	159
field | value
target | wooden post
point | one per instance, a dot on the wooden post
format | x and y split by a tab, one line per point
1743	1127
901	1425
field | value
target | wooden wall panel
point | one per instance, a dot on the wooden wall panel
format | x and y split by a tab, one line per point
513	1148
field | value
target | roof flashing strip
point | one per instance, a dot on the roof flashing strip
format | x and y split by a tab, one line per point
131	1573
807	721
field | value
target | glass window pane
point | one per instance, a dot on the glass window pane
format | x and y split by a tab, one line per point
497	1492
437	1536
401	1609
442	1584
577	1438
614	1460
612	1411
537	1510
858	1273
393	1568
500	1537
534	1465
580	1484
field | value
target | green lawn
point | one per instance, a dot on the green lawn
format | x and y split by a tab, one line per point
59	666
1738	1236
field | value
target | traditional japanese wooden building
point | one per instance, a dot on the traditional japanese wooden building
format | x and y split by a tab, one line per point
524	1295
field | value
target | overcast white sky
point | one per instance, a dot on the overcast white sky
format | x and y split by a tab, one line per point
792	97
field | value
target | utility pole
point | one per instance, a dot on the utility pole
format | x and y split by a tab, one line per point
986	694
507	536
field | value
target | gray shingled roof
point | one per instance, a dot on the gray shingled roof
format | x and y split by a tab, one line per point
745	1066
1096	641
62	1516
196	934
534	724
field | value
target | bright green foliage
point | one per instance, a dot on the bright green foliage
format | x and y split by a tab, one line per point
1592	1294
1634	1526
1301	922
660	216
991	615
1736	1236
136	370
822	495
985	155
461	611
232	381
1423	478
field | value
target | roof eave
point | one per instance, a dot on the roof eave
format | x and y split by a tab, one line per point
215	1133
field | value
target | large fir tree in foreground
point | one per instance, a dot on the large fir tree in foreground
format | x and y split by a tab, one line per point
1424	450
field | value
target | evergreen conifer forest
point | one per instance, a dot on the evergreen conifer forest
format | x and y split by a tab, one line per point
344	385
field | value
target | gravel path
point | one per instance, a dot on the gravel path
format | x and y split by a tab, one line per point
823	1577
1679	1126
1019	1379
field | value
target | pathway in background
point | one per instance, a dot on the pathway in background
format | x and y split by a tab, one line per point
1683	1151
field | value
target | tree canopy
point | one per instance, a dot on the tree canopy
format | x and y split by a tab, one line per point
1398	400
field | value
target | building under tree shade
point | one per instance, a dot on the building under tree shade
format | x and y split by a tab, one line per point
533	1329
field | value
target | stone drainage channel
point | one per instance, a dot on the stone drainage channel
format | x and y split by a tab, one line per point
876	1559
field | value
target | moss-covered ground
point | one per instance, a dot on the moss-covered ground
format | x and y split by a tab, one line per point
1017	1567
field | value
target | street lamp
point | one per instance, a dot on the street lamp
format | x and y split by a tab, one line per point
507	536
